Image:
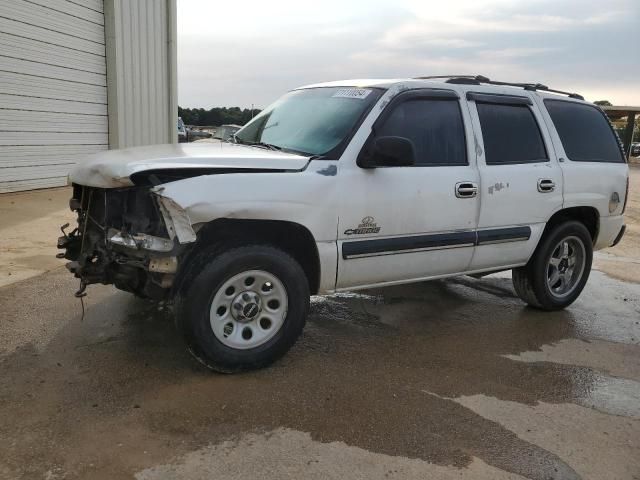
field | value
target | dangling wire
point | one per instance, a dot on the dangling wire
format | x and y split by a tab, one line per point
82	304
81	294
83	286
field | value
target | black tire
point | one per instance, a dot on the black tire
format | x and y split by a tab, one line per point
210	269
530	282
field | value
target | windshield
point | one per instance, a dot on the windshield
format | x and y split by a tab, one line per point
311	121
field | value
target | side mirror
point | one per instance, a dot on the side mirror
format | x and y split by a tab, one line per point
388	152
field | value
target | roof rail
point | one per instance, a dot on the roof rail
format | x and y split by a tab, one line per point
479	79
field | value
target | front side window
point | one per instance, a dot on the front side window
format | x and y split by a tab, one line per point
511	134
434	127
584	132
312	121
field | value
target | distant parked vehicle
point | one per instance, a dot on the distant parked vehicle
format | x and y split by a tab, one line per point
635	149
183	136
195	134
226	132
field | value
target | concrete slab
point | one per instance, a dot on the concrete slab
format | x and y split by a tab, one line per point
29	230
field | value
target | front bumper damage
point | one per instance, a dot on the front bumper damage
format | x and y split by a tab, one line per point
130	237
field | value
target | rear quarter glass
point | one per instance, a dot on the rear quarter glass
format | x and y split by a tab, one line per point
585	132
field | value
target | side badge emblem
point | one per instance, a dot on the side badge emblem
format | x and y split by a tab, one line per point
367	225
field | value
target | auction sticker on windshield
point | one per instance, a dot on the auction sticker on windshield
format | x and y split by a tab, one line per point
360	93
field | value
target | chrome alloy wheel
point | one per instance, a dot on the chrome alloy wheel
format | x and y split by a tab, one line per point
248	309
566	266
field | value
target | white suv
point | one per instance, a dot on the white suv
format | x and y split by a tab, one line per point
350	185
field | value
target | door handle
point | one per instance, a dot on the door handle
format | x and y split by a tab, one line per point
546	185
466	189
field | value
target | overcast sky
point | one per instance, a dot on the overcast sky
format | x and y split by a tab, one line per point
239	53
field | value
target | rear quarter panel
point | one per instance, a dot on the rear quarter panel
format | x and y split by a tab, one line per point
588	184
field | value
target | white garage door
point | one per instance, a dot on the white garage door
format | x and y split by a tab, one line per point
53	95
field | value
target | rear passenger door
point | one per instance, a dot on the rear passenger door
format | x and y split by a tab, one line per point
520	179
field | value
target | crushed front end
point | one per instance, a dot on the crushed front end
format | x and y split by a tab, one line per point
126	237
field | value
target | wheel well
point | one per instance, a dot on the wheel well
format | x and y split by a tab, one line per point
588	216
291	237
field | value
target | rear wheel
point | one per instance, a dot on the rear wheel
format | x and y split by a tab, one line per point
558	270
243	308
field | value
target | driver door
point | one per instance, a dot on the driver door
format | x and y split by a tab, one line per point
400	224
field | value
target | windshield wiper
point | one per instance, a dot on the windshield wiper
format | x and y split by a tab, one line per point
270	146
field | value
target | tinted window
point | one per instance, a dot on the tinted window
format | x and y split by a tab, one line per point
511	134
584	132
433	126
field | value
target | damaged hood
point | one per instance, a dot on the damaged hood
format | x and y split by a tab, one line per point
113	168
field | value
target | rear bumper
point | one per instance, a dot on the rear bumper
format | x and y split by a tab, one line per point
610	231
620	235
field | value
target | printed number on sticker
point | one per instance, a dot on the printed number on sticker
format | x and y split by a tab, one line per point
352	93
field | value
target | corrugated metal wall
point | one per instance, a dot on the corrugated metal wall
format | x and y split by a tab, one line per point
141	70
61	63
53	94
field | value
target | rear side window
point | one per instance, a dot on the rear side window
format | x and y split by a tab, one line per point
584	131
435	128
511	134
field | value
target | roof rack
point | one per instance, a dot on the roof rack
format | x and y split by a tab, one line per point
480	79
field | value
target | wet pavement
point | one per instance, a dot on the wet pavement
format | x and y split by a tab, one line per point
446	379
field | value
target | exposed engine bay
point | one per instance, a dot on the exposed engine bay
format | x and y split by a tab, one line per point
125	236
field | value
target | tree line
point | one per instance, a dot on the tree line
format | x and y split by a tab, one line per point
216	116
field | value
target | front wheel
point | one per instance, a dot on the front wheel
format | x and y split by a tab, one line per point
243	308
558	270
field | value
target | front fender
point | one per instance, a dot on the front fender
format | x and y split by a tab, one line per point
308	198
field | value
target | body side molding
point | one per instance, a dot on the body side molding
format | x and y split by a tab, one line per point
438	241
